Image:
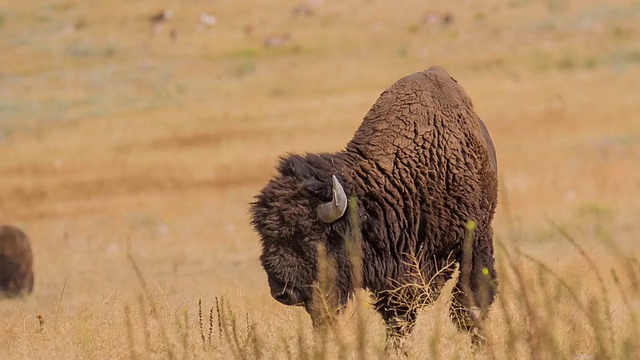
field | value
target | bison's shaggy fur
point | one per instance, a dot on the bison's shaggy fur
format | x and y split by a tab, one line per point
421	166
16	260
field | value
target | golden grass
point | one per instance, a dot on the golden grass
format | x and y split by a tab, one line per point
116	141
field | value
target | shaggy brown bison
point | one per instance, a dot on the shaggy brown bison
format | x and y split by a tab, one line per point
421	169
16	260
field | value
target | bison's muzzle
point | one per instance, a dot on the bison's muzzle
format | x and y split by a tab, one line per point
284	293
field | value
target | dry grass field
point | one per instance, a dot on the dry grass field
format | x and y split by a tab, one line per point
129	153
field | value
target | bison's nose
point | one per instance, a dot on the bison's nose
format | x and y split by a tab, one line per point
283	296
283	293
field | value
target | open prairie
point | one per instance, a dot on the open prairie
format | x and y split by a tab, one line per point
130	150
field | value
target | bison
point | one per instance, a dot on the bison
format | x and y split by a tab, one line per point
421	177
16	260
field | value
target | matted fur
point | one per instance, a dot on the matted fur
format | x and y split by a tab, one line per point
422	165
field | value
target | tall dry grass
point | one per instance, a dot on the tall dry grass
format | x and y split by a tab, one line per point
541	312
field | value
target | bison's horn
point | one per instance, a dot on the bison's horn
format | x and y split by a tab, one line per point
334	209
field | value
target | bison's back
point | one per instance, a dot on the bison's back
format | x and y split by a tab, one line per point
425	111
424	141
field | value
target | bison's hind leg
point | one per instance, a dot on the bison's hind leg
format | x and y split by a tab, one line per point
475	290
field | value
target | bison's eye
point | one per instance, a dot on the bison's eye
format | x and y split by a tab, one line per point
299	237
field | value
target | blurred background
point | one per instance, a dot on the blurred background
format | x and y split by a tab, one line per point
145	128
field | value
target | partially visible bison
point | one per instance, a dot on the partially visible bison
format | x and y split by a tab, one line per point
16	261
423	174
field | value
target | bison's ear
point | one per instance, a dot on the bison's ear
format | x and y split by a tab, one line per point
334	209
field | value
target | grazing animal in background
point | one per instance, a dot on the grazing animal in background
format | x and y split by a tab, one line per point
158	19
16	261
302	10
418	172
435	18
206	20
276	40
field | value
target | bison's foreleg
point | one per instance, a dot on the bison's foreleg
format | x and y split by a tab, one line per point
400	318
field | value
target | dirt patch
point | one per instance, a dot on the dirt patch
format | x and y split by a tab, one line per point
30	199
204	139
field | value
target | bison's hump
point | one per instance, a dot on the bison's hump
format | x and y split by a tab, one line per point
13	242
424	110
435	84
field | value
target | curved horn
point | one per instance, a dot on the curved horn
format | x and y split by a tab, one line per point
334	209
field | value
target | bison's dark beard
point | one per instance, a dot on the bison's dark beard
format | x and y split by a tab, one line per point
324	306
332	289
322	318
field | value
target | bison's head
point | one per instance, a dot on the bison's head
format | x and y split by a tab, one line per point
298	212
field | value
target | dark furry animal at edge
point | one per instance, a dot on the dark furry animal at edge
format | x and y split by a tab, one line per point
421	166
16	261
